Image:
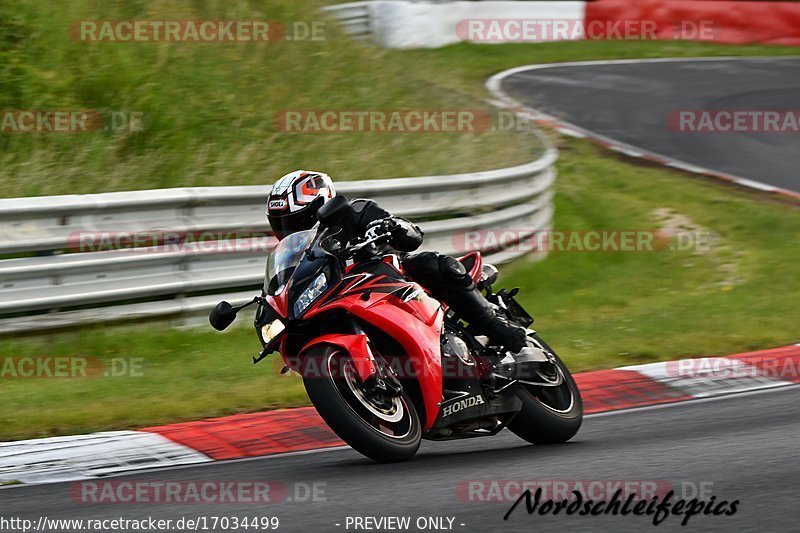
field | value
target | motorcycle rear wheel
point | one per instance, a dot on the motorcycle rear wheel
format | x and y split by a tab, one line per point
384	429
549	415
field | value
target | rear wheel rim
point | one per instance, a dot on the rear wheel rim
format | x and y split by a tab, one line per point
388	416
560	399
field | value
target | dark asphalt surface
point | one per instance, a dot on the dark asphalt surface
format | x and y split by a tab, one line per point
745	445
631	103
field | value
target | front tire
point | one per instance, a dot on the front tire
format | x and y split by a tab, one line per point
549	415
384	429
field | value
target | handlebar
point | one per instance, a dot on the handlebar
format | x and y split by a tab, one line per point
353	250
345	250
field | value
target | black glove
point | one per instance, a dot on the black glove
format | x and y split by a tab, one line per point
405	235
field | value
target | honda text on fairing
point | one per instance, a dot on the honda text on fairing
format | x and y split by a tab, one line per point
387	365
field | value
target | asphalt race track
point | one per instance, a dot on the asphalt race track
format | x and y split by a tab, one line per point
744	445
633	102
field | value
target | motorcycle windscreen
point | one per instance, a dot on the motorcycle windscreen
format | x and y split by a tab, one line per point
283	260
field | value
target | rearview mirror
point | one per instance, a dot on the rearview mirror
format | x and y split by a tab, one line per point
331	213
222	316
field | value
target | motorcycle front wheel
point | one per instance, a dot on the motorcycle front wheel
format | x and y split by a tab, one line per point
383	428
549	415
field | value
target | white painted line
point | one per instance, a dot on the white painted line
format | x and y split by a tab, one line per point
571	132
689	403
86	456
146	470
708	376
756	185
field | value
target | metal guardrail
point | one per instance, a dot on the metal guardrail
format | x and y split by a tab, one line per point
61	286
354	18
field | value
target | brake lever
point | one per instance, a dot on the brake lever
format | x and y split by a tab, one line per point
363	244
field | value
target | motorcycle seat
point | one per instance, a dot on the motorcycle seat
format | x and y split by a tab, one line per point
472	263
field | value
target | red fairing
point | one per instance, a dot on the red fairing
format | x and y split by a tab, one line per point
404	311
420	341
280	303
355	345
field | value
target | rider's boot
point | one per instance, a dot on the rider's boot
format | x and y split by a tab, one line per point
470	304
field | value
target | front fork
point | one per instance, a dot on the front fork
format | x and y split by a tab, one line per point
374	372
383	380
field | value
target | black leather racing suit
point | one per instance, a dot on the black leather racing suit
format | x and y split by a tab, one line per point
443	276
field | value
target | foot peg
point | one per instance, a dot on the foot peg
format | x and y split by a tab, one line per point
522	364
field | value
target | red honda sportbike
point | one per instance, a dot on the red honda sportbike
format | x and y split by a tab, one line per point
385	364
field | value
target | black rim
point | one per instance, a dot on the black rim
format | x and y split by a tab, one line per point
389	416
561	398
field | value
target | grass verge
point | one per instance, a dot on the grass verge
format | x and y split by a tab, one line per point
208	110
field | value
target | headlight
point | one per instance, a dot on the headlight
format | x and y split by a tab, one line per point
271	330
312	292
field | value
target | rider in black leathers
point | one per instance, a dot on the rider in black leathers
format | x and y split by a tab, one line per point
292	206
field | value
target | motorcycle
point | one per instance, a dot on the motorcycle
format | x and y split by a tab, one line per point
385	364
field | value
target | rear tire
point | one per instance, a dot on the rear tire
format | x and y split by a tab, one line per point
549	415
386	430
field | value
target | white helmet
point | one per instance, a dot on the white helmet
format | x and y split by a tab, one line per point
295	199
